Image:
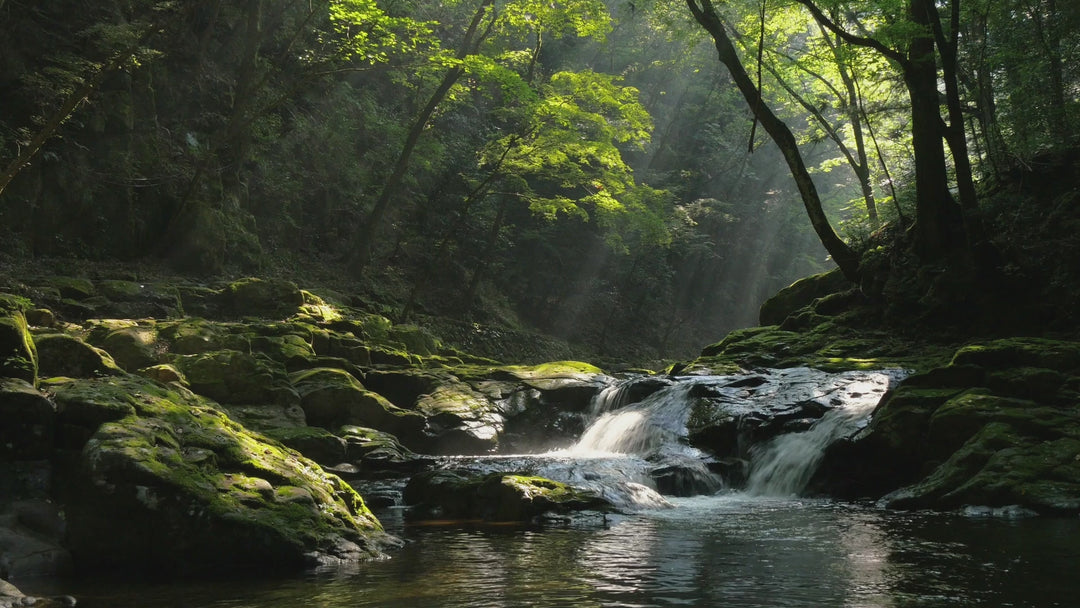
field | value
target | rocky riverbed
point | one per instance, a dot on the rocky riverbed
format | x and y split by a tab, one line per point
178	427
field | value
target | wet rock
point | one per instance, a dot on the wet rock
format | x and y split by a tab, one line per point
499	497
11	597
379	454
459	421
27	421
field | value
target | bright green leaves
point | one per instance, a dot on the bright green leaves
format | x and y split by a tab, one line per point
569	161
583	18
366	33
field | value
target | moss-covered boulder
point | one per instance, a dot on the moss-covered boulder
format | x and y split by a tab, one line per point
269	298
177	485
18	357
459	420
132	347
333	397
84	405
378	454
1061	356
27	421
193	336
234	377
497	497
999	466
415	339
799	294
67	355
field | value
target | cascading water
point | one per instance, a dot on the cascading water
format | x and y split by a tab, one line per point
635	449
654	427
784	465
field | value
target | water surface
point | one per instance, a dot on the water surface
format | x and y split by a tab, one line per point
730	550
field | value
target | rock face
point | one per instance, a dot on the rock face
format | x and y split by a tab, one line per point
998	426
177	484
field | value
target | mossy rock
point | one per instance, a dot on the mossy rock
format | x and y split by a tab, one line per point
1001	466
314	442
121	291
193	336
164	373
72	287
415	339
178	486
333	397
18	355
268	298
27	421
84	405
459	420
1006	353
961	417
801	293
132	347
379	453
66	355
288	349
496	497
234	377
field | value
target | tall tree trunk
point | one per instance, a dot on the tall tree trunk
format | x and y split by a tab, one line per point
938	221
365	241
844	256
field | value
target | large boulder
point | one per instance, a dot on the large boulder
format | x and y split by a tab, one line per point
459	420
179	486
997	427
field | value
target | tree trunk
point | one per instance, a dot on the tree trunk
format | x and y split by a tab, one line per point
844	256
938	222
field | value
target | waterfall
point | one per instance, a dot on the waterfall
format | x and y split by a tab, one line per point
784	465
639	428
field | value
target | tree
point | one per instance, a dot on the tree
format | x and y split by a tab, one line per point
939	220
844	256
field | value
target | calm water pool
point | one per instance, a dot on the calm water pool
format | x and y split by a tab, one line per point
708	551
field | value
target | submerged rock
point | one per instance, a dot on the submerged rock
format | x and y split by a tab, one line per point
497	497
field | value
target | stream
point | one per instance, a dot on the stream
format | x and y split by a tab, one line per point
758	544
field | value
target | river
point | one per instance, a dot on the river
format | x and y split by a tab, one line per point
726	550
759	546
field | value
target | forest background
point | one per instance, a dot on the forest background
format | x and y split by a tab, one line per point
583	169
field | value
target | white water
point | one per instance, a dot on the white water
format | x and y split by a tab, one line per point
781	466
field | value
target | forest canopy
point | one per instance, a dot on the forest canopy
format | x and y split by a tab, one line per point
602	170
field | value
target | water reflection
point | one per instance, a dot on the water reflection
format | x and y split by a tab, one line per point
716	551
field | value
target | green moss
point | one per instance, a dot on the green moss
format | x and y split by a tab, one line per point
18	355
1056	355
